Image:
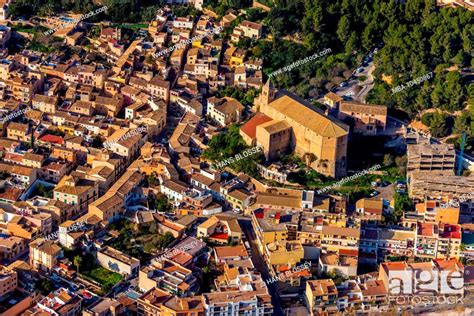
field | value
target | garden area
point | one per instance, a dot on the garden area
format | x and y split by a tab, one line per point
101	275
227	145
87	268
139	242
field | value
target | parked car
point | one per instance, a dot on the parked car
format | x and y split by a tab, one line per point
374	184
376	50
360	69
343	84
385	184
401	191
374	193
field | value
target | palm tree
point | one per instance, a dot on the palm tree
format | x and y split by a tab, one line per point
78	262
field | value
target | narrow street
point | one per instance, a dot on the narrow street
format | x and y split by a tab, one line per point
260	265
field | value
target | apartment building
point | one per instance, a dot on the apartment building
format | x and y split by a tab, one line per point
334	238
256	303
11	248
8	280
44	254
168	276
158	302
76	191
123	193
220	229
225	111
438	241
61	302
22	174
438	158
395	242
18	131
435	211
425	183
321	296
438	268
23	88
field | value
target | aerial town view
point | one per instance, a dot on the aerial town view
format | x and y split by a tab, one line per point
236	157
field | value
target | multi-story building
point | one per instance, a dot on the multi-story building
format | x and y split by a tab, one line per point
123	193
225	111
283	253
439	158
438	269
220	229
395	242
158	302
11	248
321	296
77	191
59	303
18	131
367	119
256	303
431	184
438	241
319	139
168	276
248	29
44	254
8	281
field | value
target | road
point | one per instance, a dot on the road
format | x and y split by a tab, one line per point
260	264
351	92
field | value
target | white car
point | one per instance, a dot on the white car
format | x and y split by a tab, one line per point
376	50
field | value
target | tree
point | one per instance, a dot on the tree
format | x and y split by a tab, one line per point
97	142
462	122
438	126
388	160
78	262
402	204
165	240
343	28
32	141
401	163
44	286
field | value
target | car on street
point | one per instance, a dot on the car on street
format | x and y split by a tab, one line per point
343	84
374	193
385	184
360	69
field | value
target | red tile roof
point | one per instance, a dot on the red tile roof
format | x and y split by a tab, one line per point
219	236
52	139
250	128
450	231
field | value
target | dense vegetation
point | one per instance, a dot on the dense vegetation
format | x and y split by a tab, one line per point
118	10
228	144
418	38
